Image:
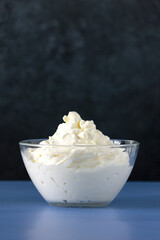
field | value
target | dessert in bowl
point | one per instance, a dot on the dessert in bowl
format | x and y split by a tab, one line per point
78	165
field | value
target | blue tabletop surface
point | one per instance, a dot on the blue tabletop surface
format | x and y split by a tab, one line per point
134	214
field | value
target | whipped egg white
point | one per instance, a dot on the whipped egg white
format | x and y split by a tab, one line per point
78	164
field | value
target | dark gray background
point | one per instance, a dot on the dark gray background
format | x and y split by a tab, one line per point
98	57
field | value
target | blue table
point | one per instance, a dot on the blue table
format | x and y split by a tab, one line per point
134	214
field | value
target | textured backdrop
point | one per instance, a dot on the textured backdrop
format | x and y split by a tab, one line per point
98	57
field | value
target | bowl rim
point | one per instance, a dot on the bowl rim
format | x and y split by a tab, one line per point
130	143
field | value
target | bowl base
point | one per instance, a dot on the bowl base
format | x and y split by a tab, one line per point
80	204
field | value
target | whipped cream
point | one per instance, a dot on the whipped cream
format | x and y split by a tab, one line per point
78	163
77	131
61	148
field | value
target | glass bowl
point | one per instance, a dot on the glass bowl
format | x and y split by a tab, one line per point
79	175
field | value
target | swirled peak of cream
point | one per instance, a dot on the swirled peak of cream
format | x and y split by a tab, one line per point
62	148
76	131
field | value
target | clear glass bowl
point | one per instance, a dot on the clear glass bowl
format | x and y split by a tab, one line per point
79	175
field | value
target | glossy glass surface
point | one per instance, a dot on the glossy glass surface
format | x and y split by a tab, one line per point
79	187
